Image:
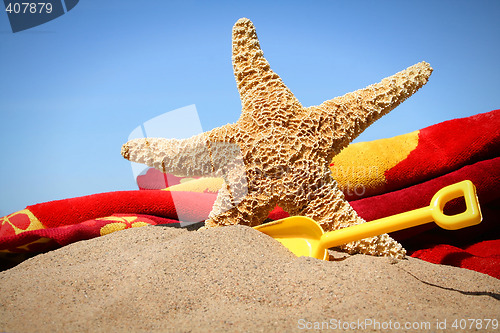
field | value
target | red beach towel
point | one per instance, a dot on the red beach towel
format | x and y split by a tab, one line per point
57	223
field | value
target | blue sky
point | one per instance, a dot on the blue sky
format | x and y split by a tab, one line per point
73	89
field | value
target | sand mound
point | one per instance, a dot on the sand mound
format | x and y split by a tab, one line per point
231	278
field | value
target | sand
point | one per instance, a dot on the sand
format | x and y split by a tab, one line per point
159	279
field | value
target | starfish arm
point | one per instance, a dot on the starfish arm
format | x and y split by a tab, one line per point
251	210
193	157
239	202
259	87
351	114
222	203
182	157
224	133
329	208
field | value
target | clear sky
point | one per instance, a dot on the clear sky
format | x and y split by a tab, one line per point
72	90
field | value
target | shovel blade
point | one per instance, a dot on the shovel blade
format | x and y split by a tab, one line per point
299	234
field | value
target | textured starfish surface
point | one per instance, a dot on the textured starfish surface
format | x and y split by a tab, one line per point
278	152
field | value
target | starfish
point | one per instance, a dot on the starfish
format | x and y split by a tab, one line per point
278	152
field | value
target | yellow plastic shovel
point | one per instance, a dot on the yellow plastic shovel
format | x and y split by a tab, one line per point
304	237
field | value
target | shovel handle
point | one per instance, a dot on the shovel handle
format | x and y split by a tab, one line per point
471	215
433	212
